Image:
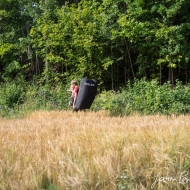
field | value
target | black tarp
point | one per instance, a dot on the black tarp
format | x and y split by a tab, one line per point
86	94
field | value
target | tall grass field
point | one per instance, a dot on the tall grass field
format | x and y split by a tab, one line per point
61	150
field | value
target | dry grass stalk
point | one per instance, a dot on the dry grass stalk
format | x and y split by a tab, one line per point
93	151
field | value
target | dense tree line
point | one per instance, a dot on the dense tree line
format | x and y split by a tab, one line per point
111	41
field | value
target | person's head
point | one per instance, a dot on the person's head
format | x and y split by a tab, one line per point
73	83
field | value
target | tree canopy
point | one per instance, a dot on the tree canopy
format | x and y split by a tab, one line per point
112	42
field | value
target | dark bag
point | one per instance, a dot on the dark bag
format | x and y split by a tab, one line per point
86	94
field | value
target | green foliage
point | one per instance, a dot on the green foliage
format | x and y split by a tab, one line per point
47	184
11	95
142	97
146	97
125	182
18	100
103	101
47	97
111	41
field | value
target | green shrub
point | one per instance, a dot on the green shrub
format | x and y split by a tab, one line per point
17	99
142	97
146	97
11	95
47	97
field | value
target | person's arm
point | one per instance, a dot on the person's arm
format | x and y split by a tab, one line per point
70	90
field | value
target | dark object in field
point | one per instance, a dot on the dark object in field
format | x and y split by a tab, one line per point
87	93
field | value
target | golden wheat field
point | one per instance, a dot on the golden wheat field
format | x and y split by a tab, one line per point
61	150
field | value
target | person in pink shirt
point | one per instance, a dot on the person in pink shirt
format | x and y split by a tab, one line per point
74	93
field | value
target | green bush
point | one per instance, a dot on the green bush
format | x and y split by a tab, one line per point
17	99
47	97
146	97
11	95
142	97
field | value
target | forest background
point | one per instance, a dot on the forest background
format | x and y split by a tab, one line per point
137	50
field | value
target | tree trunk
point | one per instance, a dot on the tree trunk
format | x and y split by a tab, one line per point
112	75
125	76
46	70
186	79
171	77
37	66
130	61
160	74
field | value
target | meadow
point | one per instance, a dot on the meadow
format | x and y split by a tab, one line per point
59	150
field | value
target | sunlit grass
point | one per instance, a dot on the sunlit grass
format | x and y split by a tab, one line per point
85	150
